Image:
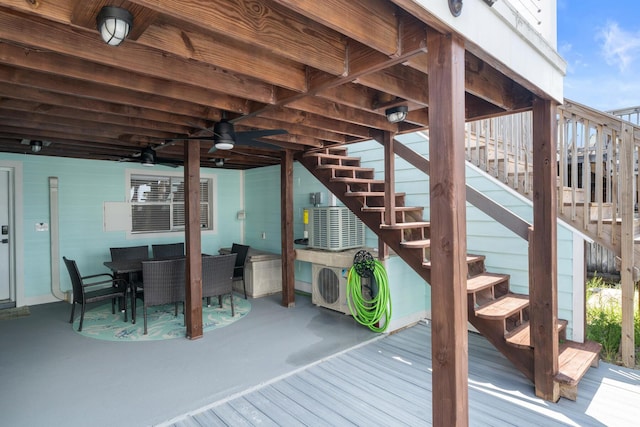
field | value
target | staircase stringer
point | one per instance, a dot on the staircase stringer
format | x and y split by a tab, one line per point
521	358
502	323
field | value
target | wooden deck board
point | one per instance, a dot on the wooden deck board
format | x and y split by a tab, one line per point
394	376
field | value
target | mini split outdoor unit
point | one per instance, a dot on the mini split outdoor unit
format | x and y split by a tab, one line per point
330	287
335	228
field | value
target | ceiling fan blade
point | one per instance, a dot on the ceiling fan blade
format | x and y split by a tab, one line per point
193	138
246	137
169	162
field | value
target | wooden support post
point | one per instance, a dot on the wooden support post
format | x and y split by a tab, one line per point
389	180
286	206
627	345
193	284
449	338
543	286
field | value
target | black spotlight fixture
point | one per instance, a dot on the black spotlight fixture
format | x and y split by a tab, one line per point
396	114
36	146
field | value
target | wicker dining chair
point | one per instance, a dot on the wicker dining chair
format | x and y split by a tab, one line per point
217	278
135	279
238	271
129	253
87	290
163	283
167	250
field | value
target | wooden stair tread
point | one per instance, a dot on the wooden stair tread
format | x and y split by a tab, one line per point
370	193
346	167
521	336
503	307
397	208
484	280
574	359
405	225
416	243
470	259
349	180
331	156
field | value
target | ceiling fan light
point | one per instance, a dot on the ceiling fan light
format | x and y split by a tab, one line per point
223	135
114	24
224	144
219	162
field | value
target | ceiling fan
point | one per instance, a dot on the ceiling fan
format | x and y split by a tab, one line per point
148	157
225	137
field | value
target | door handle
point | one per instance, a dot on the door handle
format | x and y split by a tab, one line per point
5	240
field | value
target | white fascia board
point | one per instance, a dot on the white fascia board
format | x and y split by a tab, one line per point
506	37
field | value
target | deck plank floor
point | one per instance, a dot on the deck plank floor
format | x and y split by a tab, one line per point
388	382
303	366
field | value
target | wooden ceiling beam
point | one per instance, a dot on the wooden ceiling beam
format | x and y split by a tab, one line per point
231	55
78	126
42	95
294	129
56	111
370	22
316	121
403	82
17	132
83	78
489	84
62	39
343	113
263	24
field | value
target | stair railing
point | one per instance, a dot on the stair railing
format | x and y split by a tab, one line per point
590	147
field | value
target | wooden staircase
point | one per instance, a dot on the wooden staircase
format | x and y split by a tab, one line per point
497	313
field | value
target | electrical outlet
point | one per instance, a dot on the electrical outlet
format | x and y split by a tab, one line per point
264	235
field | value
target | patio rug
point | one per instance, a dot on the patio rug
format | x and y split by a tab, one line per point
100	324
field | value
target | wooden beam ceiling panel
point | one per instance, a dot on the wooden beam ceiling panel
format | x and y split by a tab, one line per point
263	24
403	82
325	72
316	121
80	77
341	112
321	134
231	55
13	89
84	126
56	111
370	22
61	39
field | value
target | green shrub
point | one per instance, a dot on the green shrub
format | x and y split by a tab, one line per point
604	319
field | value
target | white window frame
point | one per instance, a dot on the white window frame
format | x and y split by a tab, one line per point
213	205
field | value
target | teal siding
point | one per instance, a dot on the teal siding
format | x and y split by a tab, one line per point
84	186
505	252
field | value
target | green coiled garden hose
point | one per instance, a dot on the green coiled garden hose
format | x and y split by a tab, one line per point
374	313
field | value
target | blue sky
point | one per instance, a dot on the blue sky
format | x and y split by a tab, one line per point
600	40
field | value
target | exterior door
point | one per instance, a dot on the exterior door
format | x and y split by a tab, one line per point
5	232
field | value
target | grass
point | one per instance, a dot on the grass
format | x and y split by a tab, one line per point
604	319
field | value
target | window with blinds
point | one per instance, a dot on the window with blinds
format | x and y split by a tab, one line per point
157	203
